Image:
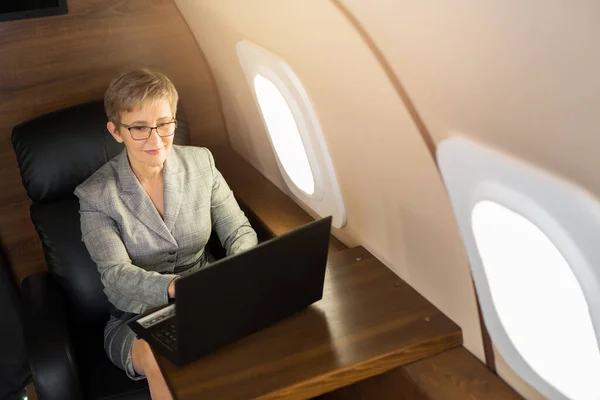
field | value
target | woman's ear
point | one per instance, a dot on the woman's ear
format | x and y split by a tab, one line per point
114	132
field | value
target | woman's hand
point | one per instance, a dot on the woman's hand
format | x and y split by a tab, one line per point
171	289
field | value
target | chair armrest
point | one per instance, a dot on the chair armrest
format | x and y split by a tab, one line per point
48	339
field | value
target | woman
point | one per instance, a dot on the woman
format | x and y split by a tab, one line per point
147	214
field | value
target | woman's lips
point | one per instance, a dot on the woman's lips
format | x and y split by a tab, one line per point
153	152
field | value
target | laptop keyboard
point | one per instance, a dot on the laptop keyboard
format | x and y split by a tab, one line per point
166	335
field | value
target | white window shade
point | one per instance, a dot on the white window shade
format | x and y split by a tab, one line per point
284	134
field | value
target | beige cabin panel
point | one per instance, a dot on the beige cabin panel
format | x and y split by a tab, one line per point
395	202
521	76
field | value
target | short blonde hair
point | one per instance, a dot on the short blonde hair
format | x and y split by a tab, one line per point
133	89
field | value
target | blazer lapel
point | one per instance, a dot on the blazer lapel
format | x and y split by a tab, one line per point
173	182
137	200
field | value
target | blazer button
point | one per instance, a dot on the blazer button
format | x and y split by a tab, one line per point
172	253
170	261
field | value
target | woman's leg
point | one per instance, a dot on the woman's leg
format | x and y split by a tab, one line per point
144	363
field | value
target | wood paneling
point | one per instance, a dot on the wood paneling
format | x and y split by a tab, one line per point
368	322
261	199
54	62
454	374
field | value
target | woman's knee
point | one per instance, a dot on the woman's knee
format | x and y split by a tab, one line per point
143	359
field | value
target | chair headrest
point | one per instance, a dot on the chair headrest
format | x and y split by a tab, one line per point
58	151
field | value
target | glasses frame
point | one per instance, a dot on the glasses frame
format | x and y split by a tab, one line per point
129	128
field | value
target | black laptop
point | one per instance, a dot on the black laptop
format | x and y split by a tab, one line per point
239	295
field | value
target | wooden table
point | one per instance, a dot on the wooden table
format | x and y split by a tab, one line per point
454	374
368	322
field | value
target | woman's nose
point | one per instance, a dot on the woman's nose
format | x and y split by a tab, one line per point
154	136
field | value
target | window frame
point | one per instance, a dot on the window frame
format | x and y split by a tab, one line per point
326	198
565	213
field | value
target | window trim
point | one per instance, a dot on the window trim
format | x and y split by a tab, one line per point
472	173
326	198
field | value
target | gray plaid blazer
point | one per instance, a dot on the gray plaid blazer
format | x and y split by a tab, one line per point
134	249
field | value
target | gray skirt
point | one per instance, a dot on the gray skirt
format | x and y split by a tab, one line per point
118	336
118	343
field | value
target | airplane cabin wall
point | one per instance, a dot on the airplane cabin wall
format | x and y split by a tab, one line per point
395	201
520	76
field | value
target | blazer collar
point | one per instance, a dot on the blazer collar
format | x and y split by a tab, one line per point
139	203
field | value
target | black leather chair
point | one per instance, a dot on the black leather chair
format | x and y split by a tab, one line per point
14	369
65	309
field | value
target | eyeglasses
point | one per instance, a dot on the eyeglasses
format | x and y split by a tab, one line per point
163	129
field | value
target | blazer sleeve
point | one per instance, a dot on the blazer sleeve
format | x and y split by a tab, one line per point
229	221
128	288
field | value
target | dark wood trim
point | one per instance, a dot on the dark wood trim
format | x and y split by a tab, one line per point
393	78
488	349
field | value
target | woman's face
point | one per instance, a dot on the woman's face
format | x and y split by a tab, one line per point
153	150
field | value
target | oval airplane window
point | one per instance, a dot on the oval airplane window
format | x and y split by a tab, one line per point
284	134
538	300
